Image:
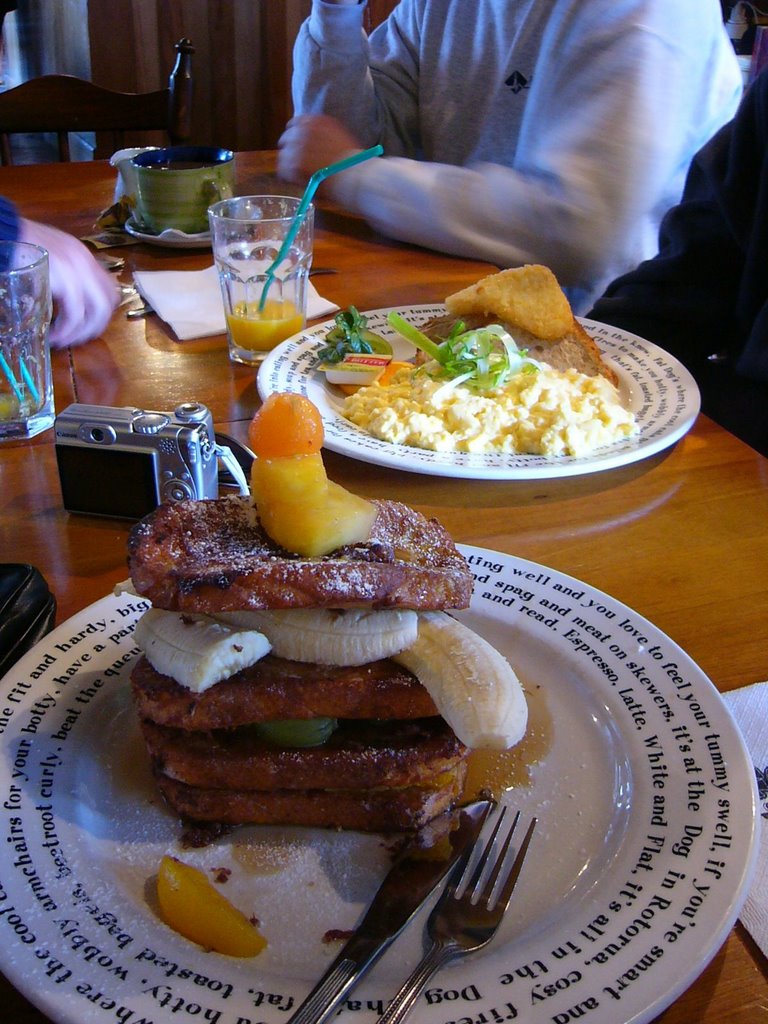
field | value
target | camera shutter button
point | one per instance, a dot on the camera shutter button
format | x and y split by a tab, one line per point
150	423
191	412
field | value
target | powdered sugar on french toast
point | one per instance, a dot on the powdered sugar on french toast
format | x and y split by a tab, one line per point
209	556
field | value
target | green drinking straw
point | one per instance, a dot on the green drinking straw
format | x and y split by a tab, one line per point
309	192
11	377
30	381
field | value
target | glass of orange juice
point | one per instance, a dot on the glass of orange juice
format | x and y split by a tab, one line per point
261	309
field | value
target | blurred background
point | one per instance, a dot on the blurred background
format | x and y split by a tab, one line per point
241	65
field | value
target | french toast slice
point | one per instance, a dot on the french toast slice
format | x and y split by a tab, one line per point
402	809
358	755
212	556
530	304
275	689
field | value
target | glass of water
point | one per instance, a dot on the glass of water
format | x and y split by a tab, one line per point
26	386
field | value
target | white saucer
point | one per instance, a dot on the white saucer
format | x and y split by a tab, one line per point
170	238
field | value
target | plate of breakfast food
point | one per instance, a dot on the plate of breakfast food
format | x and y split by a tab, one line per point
206	775
500	382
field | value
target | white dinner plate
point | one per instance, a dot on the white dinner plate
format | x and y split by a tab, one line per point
653	384
646	840
170	238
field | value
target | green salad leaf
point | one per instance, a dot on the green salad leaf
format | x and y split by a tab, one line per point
482	359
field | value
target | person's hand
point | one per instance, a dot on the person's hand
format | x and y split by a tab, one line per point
312	141
84	294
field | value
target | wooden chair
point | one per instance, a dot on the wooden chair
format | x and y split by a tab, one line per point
63	104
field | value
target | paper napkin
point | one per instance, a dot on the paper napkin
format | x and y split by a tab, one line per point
749	706
189	301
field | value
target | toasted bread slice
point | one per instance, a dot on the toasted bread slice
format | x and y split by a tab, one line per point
212	556
400	809
574	351
275	689
530	304
358	755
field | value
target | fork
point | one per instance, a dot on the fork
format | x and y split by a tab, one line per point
467	915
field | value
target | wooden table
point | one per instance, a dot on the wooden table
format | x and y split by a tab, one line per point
680	537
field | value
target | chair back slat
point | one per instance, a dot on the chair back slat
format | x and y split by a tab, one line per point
64	103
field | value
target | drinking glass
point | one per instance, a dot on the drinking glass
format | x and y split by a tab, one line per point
26	387
263	304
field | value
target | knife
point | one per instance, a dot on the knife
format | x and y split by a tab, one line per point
409	883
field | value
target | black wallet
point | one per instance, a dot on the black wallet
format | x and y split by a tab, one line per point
27	611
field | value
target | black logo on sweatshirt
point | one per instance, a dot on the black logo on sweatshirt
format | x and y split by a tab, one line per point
517	82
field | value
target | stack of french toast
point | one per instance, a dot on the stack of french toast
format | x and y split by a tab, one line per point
328	689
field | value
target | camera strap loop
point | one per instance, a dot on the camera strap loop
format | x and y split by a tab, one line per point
226	456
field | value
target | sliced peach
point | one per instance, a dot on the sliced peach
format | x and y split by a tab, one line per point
298	506
305	512
286	424
193	907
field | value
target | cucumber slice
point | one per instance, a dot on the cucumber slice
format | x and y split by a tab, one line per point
294	732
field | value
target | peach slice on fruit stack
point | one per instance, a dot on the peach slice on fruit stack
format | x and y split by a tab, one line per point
299	507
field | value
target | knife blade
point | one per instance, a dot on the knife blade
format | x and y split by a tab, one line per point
407	886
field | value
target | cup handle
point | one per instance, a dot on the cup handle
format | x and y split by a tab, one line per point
214	190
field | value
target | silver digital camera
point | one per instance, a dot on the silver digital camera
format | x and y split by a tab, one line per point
123	462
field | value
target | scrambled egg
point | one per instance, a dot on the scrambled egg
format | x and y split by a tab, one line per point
547	412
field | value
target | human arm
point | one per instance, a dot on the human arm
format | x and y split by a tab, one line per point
704	293
312	141
617	105
9	220
84	294
368	85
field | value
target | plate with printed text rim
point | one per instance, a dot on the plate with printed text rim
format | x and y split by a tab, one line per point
646	841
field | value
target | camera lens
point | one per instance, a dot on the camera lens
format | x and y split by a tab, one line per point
97	434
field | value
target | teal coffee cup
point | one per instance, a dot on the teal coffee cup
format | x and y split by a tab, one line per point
176	185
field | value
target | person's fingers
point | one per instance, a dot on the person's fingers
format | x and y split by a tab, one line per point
84	294
81	316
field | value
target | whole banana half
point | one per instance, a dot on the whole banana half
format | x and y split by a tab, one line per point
473	686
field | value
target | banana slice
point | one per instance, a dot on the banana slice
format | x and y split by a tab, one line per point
472	685
195	650
327	636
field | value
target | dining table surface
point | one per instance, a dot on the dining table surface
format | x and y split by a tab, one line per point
680	536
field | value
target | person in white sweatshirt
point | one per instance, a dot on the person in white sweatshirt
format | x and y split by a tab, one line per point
514	131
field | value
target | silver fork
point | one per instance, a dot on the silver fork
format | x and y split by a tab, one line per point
467	915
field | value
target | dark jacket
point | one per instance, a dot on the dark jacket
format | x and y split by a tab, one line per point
704	297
